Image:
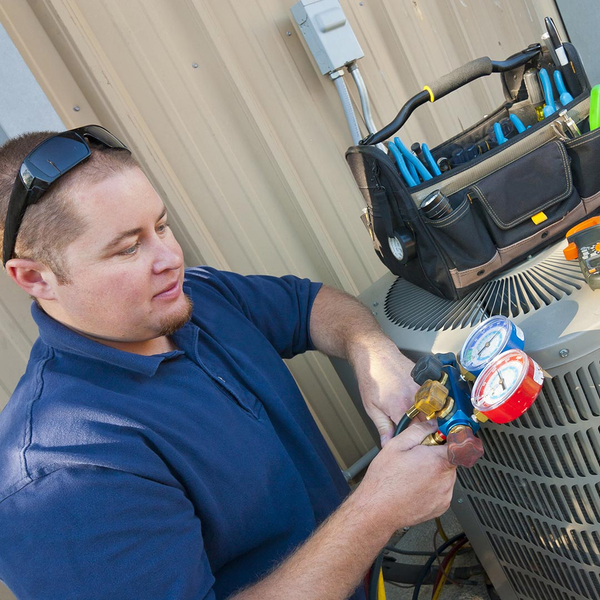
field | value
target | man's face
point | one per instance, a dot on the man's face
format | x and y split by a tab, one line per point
126	270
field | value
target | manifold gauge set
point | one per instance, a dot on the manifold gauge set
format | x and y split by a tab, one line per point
506	379
492	378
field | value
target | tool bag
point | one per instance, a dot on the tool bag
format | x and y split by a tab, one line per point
505	205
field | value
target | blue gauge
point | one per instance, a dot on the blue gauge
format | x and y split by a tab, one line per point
488	340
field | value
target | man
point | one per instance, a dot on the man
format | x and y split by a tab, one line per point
157	446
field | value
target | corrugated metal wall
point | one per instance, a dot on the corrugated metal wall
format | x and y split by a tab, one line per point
245	139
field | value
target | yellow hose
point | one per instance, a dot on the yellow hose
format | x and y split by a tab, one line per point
438	589
380	587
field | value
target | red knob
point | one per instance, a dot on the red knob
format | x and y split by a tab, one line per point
464	449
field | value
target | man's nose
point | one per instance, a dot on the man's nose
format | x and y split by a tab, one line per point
169	255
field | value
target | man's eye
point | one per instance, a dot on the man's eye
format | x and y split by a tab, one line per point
131	250
163	227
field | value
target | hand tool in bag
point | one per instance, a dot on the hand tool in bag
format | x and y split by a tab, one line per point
560	57
413	171
430	162
563	94
595	108
415	148
444	164
584	245
408	179
410	157
499	134
436	206
519	126
564	126
550	107
534	91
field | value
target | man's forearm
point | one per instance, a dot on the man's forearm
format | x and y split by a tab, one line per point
342	326
332	562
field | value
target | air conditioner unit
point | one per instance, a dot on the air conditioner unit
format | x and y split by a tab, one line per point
531	505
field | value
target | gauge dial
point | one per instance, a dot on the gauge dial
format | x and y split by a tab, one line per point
488	340
507	387
397	248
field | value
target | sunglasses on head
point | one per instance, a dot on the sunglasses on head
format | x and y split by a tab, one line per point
42	167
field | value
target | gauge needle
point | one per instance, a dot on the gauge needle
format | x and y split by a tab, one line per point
501	380
487	345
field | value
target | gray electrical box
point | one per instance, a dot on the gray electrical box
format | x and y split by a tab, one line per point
327	33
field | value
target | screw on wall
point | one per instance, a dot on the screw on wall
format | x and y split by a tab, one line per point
76	108
564	353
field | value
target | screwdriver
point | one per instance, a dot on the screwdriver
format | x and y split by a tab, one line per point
595	108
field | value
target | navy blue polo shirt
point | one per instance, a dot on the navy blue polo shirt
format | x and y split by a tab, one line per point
183	475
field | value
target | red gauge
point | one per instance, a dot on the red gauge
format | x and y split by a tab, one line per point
507	387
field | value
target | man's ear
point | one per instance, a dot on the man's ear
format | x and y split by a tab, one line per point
33	277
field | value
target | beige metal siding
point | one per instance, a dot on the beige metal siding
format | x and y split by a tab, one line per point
247	146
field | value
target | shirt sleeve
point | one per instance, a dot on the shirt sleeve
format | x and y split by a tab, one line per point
97	533
278	306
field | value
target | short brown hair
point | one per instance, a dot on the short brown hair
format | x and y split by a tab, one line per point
49	226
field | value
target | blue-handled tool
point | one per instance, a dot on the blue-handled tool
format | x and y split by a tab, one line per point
429	160
563	95
413	171
517	123
410	182
499	134
410	157
550	107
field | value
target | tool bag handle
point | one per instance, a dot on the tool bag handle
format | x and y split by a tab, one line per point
480	67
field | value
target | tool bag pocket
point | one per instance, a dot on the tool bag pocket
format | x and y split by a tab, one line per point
460	235
585	164
524	198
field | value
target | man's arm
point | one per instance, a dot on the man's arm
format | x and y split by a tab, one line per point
341	326
406	484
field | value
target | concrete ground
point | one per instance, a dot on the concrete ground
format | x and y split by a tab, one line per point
420	538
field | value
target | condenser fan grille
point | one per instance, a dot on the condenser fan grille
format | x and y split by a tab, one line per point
535	284
536	492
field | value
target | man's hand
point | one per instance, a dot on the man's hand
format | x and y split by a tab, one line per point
341	326
410	483
386	387
406	484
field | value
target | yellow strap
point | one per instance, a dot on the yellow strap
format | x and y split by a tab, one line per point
380	587
431	96
539	218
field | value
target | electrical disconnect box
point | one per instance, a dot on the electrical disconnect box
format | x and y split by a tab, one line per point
327	33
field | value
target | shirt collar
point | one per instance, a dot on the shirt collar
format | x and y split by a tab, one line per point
62	338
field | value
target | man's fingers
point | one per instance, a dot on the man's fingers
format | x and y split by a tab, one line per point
414	434
385	427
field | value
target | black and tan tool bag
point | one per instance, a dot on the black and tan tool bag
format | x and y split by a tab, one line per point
504	205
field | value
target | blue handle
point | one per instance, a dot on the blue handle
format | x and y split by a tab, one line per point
517	123
430	161
563	95
413	172
409	156
550	107
498	133
410	182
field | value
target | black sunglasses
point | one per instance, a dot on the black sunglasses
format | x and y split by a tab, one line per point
42	167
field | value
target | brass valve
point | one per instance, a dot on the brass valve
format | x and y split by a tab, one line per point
434	439
431	398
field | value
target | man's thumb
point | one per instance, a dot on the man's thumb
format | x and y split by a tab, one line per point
415	433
